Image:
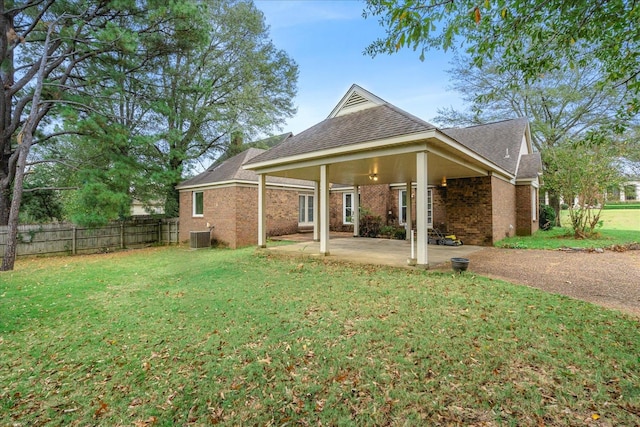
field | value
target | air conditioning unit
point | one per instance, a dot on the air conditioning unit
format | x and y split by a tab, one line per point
200	239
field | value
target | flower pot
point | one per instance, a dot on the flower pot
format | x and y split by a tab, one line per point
459	264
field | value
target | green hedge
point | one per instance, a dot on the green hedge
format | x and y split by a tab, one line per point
622	205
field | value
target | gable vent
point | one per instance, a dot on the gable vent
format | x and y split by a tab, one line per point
354	99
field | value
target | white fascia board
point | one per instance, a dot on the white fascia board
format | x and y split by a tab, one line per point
503	178
486	162
243	183
533	182
382	147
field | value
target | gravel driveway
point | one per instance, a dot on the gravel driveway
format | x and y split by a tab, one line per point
610	279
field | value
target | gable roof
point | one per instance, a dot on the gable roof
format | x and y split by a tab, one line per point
354	100
231	170
530	166
499	142
369	124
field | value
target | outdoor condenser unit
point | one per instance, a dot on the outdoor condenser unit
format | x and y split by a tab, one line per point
200	239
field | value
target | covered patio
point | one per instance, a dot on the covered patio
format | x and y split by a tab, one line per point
362	250
368	141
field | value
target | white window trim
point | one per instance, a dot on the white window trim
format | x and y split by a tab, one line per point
193	196
306	198
403	221
344	208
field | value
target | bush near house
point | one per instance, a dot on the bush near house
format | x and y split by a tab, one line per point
370	225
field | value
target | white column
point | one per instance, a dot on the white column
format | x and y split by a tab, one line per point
409	217
324	210
316	220
623	197
355	214
421	209
262	211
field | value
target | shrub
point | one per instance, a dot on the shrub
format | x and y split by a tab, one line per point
370	225
547	217
393	232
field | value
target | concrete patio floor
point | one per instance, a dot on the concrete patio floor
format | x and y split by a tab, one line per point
345	247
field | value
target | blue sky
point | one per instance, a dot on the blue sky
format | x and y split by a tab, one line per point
327	40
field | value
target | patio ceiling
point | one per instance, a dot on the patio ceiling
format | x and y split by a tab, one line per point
391	162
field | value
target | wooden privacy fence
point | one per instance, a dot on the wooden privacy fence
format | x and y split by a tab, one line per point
52	239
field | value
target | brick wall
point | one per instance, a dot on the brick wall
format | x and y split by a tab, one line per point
376	199
336	201
525	224
504	209
439	195
233	212
468	209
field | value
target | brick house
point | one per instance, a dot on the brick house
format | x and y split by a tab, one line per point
224	198
480	182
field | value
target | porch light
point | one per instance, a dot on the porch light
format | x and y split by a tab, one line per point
373	177
444	181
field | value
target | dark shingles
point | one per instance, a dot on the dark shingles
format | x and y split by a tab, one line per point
498	142
530	166
231	170
371	124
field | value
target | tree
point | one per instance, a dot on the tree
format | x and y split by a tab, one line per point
582	172
43	45
235	82
211	78
533	37
567	104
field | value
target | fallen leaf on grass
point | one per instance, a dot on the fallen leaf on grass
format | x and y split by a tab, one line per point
145	423
103	408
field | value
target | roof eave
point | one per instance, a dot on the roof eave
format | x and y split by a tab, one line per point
342	150
469	152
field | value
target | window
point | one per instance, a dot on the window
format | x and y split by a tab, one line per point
402	207
305	209
198	203
347	208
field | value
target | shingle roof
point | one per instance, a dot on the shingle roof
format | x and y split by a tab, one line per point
499	142
231	170
530	166
371	124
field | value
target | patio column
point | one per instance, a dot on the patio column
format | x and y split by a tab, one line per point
421	209
409	216
324	210
355	214
262	203
316	220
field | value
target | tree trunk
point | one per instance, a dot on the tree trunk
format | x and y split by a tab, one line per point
9	258
554	202
5	200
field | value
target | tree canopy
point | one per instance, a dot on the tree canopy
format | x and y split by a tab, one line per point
533	37
119	96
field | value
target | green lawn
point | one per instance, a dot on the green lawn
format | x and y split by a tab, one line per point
169	336
619	227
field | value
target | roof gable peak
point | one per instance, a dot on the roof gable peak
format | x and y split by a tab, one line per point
356	99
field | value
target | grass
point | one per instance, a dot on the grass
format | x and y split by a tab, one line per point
168	336
619	227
